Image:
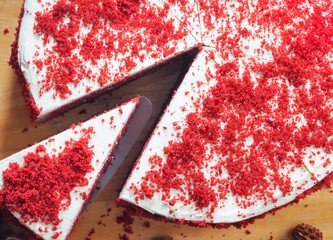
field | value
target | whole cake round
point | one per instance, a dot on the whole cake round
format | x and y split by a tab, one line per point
250	127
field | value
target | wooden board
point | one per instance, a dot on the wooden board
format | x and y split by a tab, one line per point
17	132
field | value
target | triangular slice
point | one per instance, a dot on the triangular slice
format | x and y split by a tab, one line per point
226	148
47	185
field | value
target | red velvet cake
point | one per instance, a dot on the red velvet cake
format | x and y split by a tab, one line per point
250	128
47	185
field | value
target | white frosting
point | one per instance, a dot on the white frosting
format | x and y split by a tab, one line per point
233	20
228	210
30	43
102	142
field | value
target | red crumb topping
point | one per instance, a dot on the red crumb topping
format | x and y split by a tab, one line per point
41	188
5	31
250	131
55	236
126	31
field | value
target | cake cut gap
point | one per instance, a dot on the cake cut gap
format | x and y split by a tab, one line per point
135	126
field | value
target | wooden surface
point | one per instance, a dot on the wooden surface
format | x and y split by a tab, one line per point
17	132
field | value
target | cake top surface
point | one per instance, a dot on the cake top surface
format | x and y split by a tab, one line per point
46	185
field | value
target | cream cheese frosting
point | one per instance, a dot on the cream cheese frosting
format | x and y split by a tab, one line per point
107	128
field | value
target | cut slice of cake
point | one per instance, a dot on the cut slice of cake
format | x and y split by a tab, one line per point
67	51
47	185
228	147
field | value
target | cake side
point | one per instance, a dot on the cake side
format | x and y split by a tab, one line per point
135	210
13	62
46	185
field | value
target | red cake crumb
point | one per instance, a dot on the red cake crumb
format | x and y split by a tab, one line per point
58	174
127	222
146	224
92	231
5	31
248	232
55	236
123	237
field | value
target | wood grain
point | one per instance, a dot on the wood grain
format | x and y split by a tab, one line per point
17	132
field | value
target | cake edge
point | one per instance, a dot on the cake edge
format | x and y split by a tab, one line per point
13	63
134	210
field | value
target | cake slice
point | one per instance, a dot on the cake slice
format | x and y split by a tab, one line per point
228	147
68	51
47	185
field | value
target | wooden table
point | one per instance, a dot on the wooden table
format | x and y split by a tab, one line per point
17	132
